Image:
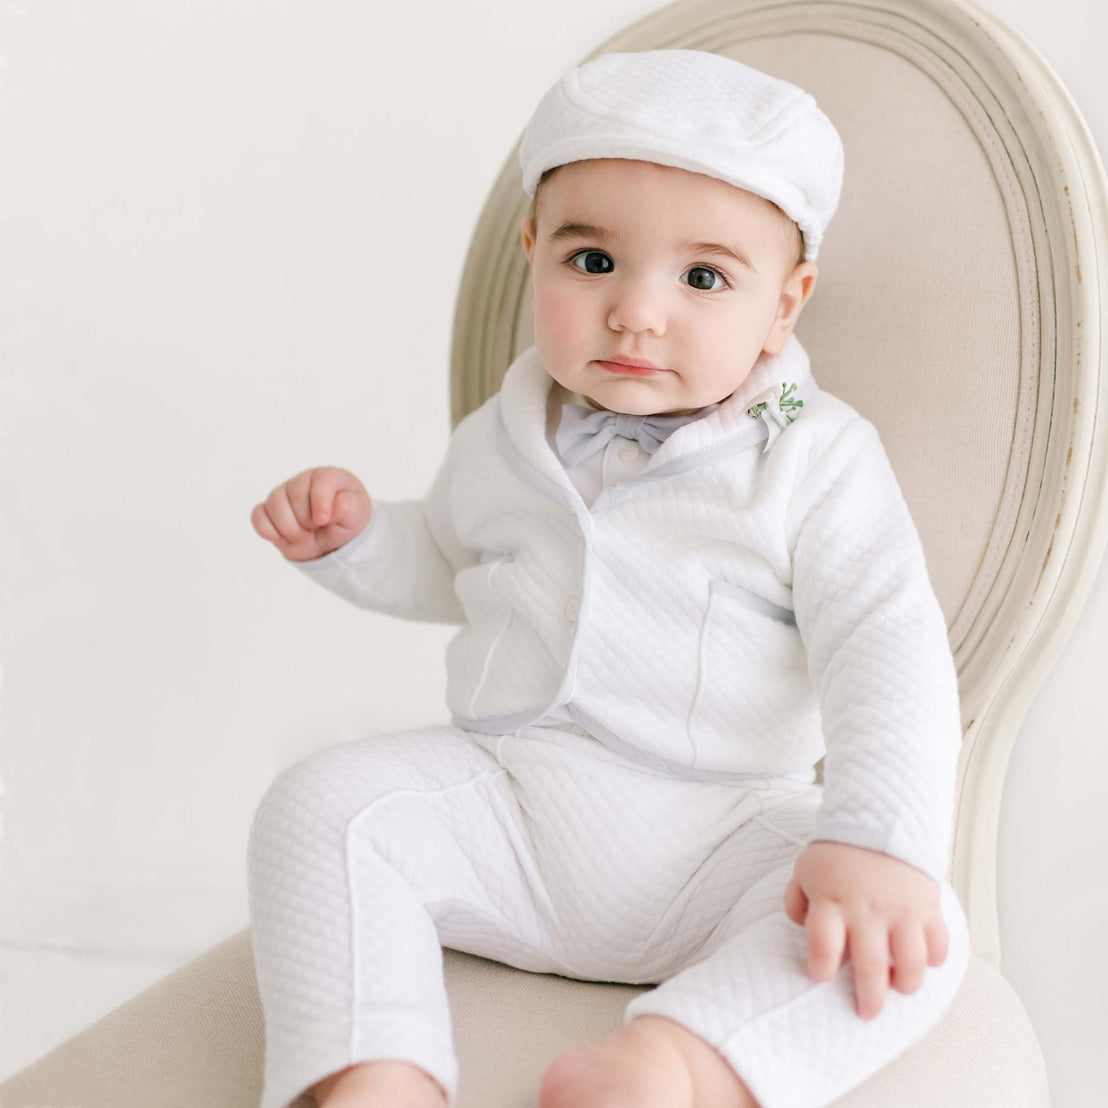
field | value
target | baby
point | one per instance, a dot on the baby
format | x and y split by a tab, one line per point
682	573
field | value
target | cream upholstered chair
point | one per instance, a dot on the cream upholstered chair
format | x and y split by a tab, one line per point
959	307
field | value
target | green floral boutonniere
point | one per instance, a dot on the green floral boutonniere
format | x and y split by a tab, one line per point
776	411
786	403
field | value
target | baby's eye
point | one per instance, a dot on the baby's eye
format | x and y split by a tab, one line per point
702	282
593	254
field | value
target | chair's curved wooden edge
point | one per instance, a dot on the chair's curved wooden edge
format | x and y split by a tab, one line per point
197	1037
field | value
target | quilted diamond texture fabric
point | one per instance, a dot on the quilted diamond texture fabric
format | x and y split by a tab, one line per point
547	851
730	612
639	689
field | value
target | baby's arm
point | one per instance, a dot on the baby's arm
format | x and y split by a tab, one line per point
879	654
402	561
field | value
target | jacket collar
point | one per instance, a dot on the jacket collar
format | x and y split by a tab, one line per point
776	388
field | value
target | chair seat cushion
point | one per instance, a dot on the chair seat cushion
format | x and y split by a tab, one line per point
196	1037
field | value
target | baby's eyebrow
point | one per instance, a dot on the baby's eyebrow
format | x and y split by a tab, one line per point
577	230
580	231
736	253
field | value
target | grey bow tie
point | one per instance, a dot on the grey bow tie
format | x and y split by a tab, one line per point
583	432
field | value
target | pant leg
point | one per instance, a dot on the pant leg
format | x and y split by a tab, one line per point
796	1042
364	859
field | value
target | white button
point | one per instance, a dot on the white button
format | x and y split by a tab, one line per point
572	608
630	452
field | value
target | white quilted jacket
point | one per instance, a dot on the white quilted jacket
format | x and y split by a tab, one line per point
731	610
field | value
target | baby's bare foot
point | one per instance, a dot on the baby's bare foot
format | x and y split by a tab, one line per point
651	1062
385	1083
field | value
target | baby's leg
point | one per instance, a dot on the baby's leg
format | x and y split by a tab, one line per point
364	859
795	1042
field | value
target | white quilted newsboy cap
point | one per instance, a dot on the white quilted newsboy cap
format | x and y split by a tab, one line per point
695	110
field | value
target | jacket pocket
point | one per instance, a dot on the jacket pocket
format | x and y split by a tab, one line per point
488	615
751	668
750	599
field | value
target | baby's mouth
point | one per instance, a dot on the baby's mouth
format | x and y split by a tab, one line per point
631	370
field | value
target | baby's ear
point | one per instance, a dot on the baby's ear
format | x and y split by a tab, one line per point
798	287
527	234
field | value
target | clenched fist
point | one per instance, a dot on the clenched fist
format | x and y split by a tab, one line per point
313	513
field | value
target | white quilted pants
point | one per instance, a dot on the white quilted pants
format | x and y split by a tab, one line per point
547	851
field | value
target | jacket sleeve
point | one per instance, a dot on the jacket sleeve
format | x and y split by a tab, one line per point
404	561
879	656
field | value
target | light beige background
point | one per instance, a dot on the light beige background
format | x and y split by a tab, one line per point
231	234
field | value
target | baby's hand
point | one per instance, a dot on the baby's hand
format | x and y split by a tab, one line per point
883	904
313	513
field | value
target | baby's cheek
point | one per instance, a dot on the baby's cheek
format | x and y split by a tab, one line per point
559	312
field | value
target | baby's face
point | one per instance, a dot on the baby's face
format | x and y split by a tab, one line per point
618	267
